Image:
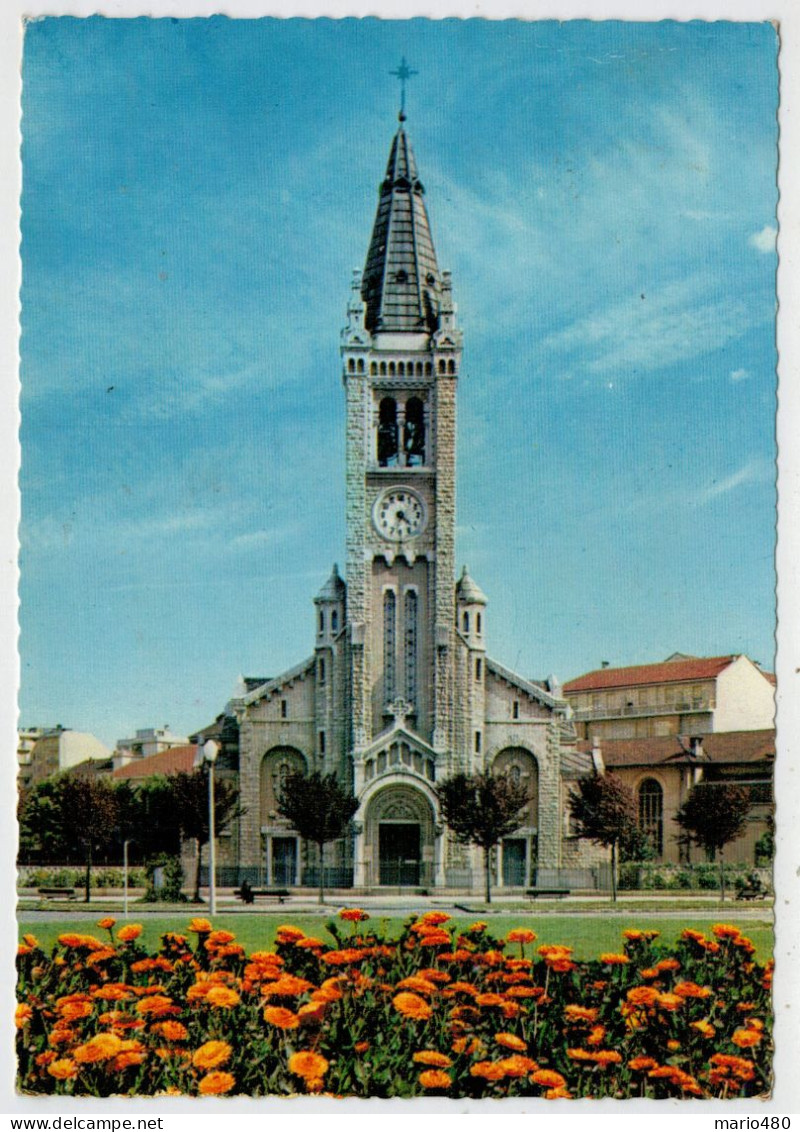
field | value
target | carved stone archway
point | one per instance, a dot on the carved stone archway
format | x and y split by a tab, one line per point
399	839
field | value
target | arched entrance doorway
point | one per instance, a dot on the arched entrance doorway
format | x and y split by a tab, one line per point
399	836
282	848
519	852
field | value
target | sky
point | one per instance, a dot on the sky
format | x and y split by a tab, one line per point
195	196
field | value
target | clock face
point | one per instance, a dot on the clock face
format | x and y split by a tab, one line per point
399	514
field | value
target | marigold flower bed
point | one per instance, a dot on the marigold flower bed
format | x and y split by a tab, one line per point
437	1011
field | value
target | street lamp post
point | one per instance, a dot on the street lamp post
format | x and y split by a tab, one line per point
210	753
125	845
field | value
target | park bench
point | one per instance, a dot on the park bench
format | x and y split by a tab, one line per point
279	894
751	889
532	893
57	893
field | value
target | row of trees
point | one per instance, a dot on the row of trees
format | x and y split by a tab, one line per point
73	818
70	818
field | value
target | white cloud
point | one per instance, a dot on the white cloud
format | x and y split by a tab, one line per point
648	331
755	471
739	374
764	241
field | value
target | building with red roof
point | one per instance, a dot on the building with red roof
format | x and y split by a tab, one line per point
682	695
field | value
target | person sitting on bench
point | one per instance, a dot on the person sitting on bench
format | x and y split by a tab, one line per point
246	893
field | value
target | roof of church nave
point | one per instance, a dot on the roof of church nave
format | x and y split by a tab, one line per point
401	281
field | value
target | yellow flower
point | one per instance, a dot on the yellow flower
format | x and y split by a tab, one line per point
200	925
22	1015
211	1055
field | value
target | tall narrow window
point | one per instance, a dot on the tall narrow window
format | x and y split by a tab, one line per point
414	432
334	621
478	669
515	710
465	622
387	433
478	626
322	621
477	742
389	650
322	742
321	670
651	812
410	645
284	709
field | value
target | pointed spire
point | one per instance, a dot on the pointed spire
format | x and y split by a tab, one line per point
401	285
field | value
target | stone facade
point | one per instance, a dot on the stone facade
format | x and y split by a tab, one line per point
400	692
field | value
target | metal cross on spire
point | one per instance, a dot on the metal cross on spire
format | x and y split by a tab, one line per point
403	73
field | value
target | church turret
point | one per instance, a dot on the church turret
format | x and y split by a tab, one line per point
330	603
471	603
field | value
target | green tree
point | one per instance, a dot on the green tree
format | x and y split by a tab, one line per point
481	809
603	809
185	795
69	817
712	816
319	808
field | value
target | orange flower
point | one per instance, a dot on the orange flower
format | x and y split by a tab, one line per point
434	1079
344	957
668	965
211	1055
129	932
575	1013
215	1084
125	1060
578	1054
361	1047
281	1017
431	1057
71	1011
489	999
286	986
308	1065
673	1045
642	996
614	960
156	1004
223	996
172	1031
478	927
517	1066
353	915
420	985
744	1039
411	1006
434	938
99	1048
691	990
642	1063
200	925
31	940
22	1015
739	1066
64	1069
607	1057
489	1070
510	1041
704	1027
521	935
596	1036
725	931
107	922
288	933
311	1012
550	1078
669	1001
434	918
558	1094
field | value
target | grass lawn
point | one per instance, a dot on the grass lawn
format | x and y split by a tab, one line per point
588	934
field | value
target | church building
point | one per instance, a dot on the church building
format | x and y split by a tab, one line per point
400	692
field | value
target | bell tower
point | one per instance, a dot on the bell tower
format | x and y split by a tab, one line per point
401	352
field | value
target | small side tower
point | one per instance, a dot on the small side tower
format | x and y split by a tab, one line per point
471	628
330	605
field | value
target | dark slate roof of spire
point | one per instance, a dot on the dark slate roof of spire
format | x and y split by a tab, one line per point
401	281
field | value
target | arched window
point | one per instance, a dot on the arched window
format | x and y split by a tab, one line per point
442	366
410	645
401	369
360	365
478	669
387	433
414	432
521	767
478	623
651	812
321	670
334	621
465	622
322	621
389	637
451	366
383	368
373	368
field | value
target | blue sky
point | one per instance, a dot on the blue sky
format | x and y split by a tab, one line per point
195	196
